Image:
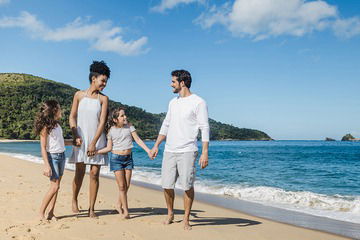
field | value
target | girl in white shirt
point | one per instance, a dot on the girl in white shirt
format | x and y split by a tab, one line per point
120	135
52	151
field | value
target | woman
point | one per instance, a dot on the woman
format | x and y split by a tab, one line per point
87	121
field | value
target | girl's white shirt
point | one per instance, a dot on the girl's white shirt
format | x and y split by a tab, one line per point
55	140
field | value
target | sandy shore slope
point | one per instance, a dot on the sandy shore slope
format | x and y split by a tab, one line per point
22	187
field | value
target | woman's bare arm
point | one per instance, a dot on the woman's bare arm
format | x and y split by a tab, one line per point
100	129
73	118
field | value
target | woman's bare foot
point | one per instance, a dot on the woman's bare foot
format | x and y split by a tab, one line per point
169	219
92	214
126	216
75	207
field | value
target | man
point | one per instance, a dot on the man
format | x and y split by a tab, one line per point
186	114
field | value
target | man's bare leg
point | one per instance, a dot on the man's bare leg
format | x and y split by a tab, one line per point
169	198
76	186
94	187
188	201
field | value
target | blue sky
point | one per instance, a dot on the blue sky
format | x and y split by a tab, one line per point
290	68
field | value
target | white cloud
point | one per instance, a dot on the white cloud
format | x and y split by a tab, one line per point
169	4
26	21
4	2
347	28
261	19
214	15
102	36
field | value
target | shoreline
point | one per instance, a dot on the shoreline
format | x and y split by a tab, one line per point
289	215
292	218
202	206
2	140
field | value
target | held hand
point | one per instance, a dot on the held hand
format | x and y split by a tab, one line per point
91	151
154	152
203	161
77	141
47	171
150	155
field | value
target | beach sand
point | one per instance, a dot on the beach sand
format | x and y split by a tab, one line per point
22	187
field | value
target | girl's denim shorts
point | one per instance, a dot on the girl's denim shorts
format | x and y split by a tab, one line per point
57	164
121	162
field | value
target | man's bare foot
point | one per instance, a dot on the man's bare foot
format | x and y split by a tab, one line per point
126	216
92	214
187	226
169	219
51	216
75	207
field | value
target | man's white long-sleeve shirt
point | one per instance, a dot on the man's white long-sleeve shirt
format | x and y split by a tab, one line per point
184	118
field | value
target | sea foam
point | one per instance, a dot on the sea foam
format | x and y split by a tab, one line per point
340	207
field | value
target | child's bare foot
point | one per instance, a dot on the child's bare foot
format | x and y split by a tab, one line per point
169	219
42	217
119	209
51	216
75	207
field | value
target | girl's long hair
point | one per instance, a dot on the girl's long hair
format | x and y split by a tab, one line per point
113	115
46	116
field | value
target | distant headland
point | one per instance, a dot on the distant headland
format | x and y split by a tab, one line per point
21	95
347	137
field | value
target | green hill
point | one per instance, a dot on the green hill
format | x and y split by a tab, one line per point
21	94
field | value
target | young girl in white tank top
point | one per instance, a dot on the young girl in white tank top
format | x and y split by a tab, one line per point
53	152
120	135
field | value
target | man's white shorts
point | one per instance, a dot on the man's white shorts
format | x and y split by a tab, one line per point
178	166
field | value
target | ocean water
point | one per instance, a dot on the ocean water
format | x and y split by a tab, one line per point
315	177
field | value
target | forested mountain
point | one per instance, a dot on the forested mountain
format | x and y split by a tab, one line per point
21	94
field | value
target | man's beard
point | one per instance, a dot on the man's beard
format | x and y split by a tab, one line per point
176	90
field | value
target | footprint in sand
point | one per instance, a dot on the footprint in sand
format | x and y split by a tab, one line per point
23	237
101	222
73	219
10	227
128	235
29	233
63	226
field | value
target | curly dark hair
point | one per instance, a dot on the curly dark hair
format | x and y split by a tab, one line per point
99	68
182	75
114	114
46	116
